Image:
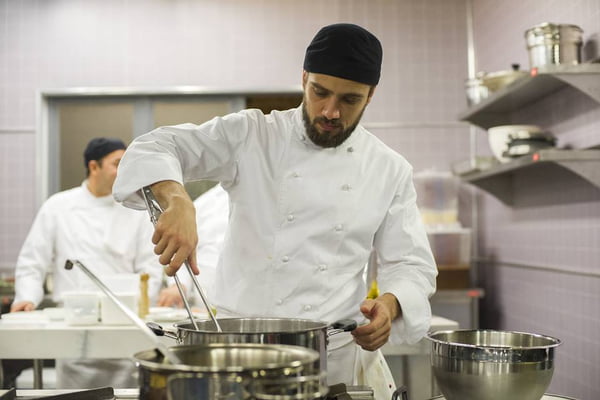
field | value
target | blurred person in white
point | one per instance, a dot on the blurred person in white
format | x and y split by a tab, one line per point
212	216
86	224
311	192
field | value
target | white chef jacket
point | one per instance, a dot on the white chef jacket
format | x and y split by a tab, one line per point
75	224
107	238
303	219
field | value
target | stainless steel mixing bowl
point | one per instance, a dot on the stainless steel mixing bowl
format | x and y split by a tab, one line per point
492	365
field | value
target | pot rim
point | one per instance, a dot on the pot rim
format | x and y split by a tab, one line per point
316	325
554	341
310	356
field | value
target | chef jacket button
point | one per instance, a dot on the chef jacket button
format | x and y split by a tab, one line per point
339	227
322	267
350	149
285	259
295	174
346	187
307	307
290	217
279	302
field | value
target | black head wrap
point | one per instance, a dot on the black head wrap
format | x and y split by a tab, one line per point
345	51
99	147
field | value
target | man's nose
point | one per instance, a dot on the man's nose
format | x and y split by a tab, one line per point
331	109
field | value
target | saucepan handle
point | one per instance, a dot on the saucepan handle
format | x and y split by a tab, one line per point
400	391
160	331
343	325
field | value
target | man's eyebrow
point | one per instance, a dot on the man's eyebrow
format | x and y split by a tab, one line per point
316	85
349	94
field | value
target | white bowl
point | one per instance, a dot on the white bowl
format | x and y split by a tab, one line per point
498	137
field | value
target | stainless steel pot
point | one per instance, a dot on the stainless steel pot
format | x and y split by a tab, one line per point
231	371
298	332
490	365
551	44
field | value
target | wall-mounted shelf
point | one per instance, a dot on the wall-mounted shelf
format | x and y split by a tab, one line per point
498	180
495	109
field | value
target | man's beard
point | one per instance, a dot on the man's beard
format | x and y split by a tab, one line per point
326	139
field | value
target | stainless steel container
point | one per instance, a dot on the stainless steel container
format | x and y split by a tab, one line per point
297	332
476	91
492	365
231	371
550	44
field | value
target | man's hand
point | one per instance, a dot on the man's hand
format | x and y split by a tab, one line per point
169	297
380	312
175	234
22	306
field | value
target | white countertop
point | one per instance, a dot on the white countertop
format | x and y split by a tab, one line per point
55	339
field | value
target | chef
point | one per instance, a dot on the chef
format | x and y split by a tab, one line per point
85	223
312	192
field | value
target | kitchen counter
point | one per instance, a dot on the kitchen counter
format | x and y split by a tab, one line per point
56	339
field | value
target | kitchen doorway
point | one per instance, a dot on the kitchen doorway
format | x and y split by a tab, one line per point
70	118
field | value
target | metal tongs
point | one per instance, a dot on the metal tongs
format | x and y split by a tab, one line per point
155	210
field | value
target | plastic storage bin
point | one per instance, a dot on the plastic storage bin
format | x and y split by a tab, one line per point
81	307
437	197
451	249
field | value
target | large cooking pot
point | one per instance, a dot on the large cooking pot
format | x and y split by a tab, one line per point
298	332
231	371
550	44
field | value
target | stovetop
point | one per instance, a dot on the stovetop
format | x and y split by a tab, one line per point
337	392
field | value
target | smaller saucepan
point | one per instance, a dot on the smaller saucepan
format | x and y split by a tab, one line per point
231	371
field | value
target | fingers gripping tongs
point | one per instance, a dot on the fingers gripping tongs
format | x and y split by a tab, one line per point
155	210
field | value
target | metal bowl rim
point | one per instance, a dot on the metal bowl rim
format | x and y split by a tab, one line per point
556	341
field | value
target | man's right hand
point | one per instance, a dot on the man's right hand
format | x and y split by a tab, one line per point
22	306
175	235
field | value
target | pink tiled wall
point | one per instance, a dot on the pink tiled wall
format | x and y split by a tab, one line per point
226	44
540	258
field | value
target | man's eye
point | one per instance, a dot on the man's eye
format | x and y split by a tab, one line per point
320	93
352	100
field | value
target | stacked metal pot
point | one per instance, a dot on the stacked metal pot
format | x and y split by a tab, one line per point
252	358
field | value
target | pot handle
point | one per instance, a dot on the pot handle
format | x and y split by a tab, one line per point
343	325
159	331
400	391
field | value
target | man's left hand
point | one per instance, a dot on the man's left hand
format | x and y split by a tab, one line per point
380	312
170	297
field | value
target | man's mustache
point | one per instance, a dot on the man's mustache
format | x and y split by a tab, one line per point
334	122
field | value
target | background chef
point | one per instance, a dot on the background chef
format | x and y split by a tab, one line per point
311	193
85	223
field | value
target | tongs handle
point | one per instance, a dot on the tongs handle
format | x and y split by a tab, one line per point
155	210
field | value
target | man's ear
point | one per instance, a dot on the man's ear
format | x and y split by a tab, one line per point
93	165
371	92
304	78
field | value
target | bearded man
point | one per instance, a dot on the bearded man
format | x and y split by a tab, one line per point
311	193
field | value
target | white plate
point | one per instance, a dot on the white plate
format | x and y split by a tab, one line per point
168	314
54	313
26	317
